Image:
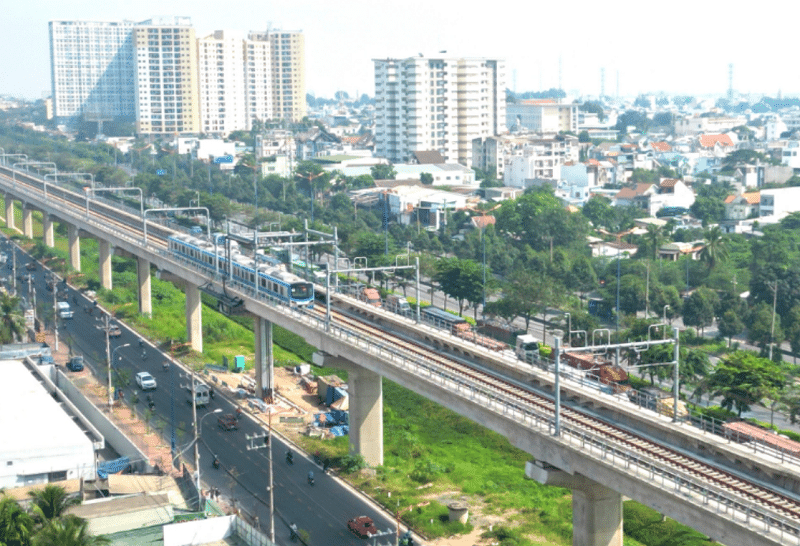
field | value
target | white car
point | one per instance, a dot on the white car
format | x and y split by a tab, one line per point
145	381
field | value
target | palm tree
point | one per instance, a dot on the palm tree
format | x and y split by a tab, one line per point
715	249
16	526
12	323
68	531
654	238
51	502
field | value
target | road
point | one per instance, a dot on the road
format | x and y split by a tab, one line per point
322	510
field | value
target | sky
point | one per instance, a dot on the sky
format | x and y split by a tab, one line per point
676	47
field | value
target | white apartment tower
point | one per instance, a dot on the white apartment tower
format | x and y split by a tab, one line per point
288	74
92	70
442	104
220	59
167	99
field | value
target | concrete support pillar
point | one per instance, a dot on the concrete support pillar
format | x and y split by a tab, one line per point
27	221
9	211
366	414
596	509
143	273
74	248
264	359
47	227
194	317
105	252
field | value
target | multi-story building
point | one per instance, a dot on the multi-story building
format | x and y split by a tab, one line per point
156	73
92	71
220	59
441	104
542	116
167	99
288	74
517	158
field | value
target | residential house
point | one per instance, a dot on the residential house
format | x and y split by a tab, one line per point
779	201
675	251
313	142
698	124
612	249
502	194
424	206
539	156
668	193
718	145
742	206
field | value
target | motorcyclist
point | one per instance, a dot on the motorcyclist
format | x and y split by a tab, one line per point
311	477
293	532
150	402
289	457
216	462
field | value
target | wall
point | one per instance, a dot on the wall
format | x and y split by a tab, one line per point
198	532
114	436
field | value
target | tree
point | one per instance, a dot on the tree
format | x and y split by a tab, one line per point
460	279
51	502
760	327
383	172
654	238
742	379
584	137
16	526
536	292
12	323
593	107
426	178
715	248
68	531
698	310
730	325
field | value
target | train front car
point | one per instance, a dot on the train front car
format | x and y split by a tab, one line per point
302	293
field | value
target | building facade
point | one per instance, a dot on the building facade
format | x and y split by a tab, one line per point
288	74
441	104
220	58
92	70
167	99
542	116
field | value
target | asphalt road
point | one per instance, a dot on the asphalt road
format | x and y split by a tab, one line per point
322	510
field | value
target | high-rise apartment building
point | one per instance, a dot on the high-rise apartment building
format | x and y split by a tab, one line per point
288	74
156	73
441	104
220	59
92	70
167	100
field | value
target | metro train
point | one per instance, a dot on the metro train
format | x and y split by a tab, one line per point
267	278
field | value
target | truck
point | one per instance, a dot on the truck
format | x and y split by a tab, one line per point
64	310
657	400
202	394
370	296
398	304
527	348
600	369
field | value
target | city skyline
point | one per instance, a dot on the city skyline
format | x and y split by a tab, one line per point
682	50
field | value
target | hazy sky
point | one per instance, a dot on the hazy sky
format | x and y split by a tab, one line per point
678	46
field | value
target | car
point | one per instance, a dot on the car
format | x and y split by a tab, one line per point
114	331
228	422
362	527
145	381
75	364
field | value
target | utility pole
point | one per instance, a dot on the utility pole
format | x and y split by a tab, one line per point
774	286
55	308
107	328
266	443
196	447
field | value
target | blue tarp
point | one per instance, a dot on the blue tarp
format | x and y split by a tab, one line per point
104	468
341	430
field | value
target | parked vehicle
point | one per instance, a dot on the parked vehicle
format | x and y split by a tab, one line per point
599	368
362	527
145	381
370	296
457	326
657	400
75	364
398	304
64	310
527	348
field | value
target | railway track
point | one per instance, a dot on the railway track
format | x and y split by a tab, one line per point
779	509
647	449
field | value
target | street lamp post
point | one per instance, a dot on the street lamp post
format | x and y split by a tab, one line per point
111	363
193	443
665	320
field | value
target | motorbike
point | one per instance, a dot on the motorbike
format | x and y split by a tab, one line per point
216	462
289	457
293	532
311	479
150	402
165	366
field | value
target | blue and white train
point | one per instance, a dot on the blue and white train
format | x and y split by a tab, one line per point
266	278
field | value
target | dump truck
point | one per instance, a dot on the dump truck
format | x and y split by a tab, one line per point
370	296
398	304
527	348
